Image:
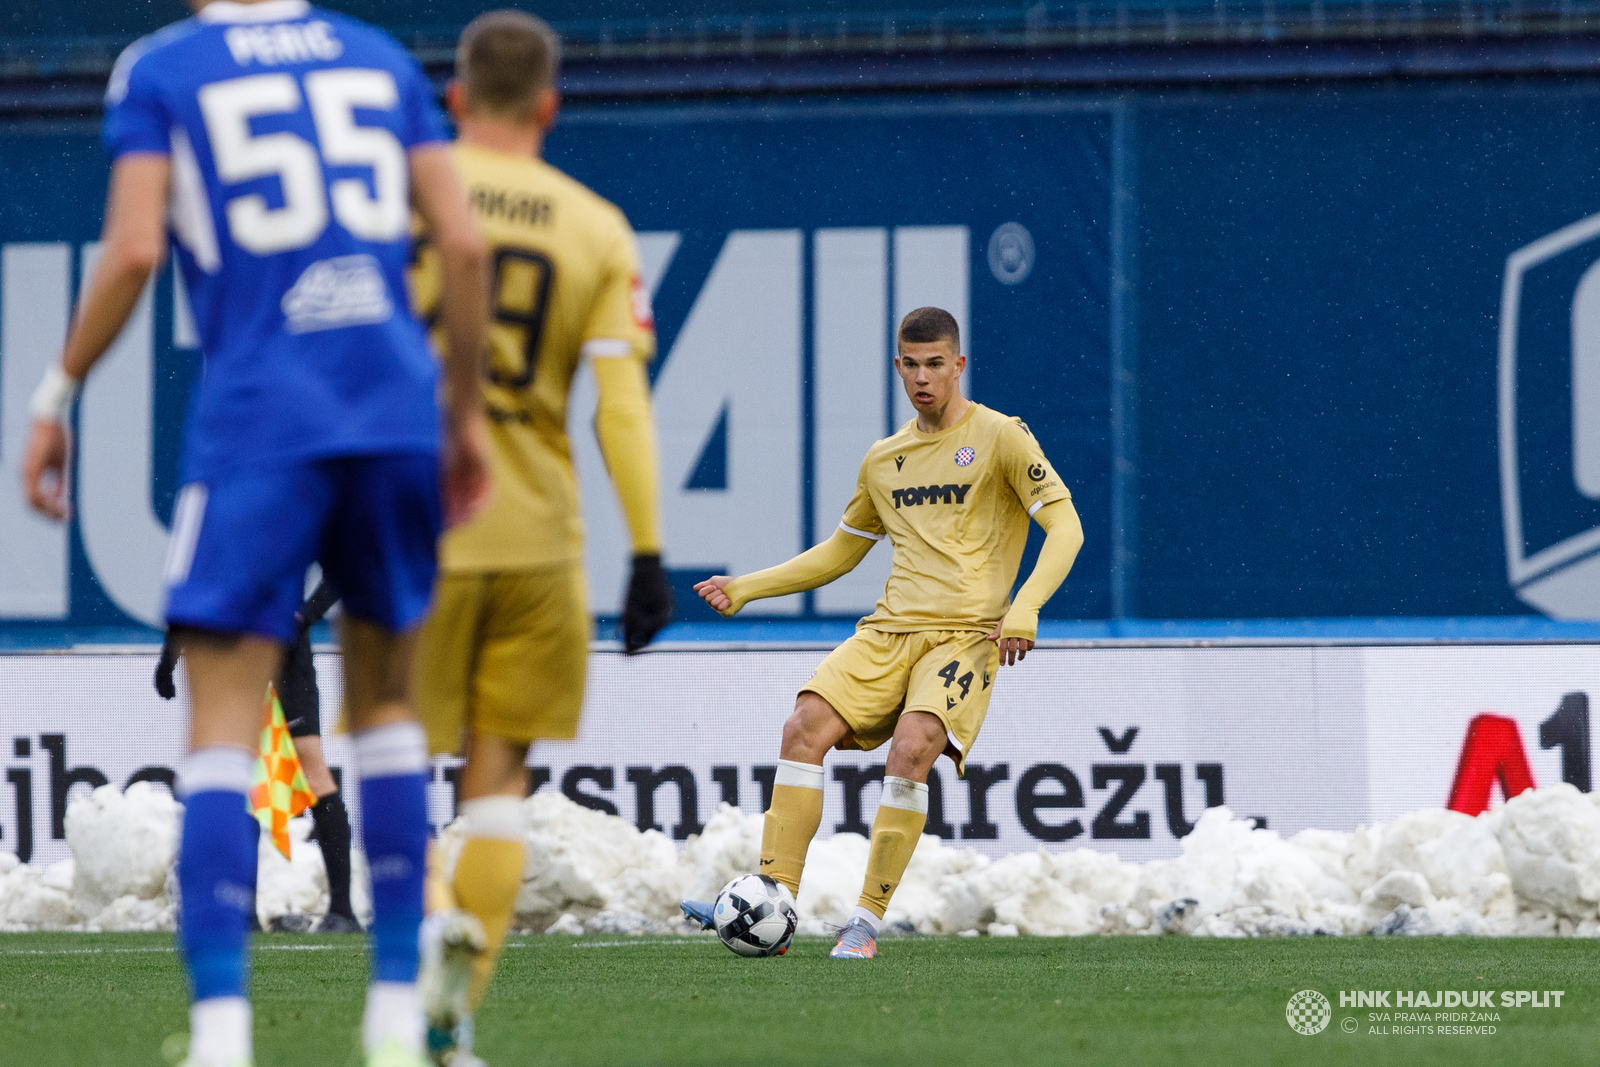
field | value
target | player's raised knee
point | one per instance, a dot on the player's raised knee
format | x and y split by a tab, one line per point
812	729
918	740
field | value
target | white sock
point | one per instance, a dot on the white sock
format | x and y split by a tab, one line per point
801	775
393	1011
872	921
220	1032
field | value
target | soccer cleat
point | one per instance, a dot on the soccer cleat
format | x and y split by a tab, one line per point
334	923
461	1055
698	911
394	1053
292	923
452	941
453	1048
856	942
175	1050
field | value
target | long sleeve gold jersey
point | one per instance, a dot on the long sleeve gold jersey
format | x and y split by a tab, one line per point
955	505
566	286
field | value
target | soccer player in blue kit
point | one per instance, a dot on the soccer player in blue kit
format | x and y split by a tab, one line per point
284	147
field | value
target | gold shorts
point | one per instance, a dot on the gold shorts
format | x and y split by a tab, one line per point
875	676
504	655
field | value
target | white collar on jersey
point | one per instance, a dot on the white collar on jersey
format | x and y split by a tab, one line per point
227	11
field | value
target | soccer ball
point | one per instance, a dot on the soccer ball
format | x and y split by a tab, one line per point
755	916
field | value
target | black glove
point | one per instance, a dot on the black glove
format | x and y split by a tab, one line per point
649	606
164	668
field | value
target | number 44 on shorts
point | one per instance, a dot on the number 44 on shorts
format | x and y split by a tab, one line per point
948	673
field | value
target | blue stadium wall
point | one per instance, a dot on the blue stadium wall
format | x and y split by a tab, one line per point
1260	331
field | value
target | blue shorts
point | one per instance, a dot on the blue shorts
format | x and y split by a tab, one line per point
242	542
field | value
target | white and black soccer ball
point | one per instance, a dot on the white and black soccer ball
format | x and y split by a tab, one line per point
755	916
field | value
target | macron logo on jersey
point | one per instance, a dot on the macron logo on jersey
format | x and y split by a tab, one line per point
284	42
342	291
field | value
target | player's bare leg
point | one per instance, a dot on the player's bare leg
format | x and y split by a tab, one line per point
315	766
392	755
217	863
919	738
462	945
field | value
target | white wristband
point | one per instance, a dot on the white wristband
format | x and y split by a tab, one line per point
54	396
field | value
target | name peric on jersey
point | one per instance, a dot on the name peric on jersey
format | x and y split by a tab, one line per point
288	129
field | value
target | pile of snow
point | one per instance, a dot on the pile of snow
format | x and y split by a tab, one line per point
299	885
1531	867
120	876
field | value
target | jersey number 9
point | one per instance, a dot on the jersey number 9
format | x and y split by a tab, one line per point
522	282
241	156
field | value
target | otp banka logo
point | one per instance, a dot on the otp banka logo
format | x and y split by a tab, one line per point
1550	420
730	395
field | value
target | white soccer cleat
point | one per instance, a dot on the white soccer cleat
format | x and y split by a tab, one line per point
452	941
395	1053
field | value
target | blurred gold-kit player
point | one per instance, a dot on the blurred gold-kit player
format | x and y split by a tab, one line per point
953	491
501	660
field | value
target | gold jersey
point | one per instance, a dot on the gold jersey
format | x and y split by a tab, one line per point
565	284
955	505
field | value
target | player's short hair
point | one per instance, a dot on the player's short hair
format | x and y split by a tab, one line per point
505	59
926	325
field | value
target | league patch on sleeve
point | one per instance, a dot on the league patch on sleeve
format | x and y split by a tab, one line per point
643	314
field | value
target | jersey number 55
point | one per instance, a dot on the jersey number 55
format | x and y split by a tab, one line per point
380	214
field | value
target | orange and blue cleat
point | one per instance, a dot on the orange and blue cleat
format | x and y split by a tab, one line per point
857	941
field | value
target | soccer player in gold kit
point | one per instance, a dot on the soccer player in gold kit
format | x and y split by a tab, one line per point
953	492
500	662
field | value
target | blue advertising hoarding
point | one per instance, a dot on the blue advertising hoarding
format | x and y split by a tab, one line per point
782	245
1266	336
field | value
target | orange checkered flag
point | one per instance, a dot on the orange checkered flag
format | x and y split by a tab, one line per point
278	789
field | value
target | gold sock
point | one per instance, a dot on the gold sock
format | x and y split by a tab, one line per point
790	825
436	892
896	829
488	876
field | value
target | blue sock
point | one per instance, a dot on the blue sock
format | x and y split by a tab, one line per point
394	831
216	871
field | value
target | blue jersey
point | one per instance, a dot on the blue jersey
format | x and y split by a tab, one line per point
288	128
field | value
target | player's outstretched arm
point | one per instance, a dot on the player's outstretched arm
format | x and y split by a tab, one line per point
133	242
1017	632
464	308
625	427
818	565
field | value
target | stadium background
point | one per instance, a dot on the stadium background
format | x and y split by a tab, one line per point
1242	268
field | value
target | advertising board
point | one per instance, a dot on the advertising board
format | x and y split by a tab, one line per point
1117	749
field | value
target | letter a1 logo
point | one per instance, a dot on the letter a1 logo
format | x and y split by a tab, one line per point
1492	753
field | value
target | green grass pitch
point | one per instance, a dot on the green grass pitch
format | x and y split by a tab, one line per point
76	1000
